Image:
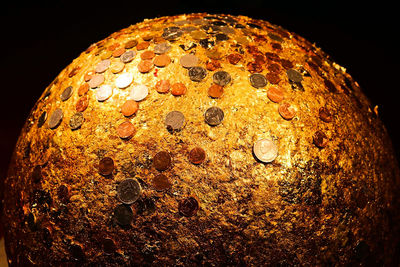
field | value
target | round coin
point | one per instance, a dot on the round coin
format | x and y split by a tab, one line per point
106	166
83	89
265	150
126	130
127	56
286	111
161	60
162	160
188	206
128	191
197	155
213	65
108	246
273	78
163	86
222	78
104	92
320	139
174	120
130	44
188	61
42	119
82	104
213	116
96	80
160	182
117	67
197	74
102	66
257	80
275	94
139	92
55	118
145	66
294	75
76	121
162	48
142	46
172	33
118	52
178	89
123	215
215	91
234	58
325	114
129	108
124	80
148	54
66	94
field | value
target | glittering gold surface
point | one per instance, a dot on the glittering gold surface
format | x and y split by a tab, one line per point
310	206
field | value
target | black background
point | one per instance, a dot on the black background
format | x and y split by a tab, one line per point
38	40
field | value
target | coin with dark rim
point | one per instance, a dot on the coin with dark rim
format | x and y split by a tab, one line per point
123	215
162	160
174	120
106	166
320	139
55	118
128	191
188	206
197	155
222	78
214	116
197	74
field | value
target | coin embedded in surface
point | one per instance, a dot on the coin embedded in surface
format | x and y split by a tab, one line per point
123	214
55	118
257	80
197	155
106	166
214	116
162	160
128	191
265	150
197	74
188	206
76	121
174	120
161	182
222	78
67	93
126	130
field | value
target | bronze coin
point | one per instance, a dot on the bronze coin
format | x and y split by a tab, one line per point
160	182
83	89
273	78
126	130
162	160
163	86
320	139
145	66
142	46
275	94
118	52
188	206
215	91
174	120
178	89
129	108
234	58
148	54
123	214
66	94
162	60
55	118
257	80
254	67
286	111
96	80
130	44
325	114
82	104
197	155
274	68
106	166
213	65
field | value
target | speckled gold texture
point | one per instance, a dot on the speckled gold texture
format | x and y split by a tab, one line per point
311	206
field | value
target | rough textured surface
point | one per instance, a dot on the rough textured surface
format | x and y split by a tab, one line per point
310	206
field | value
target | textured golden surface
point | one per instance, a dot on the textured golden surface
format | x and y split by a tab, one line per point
310	206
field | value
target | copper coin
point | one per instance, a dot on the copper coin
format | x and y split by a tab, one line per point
108	246
215	91
102	66
320	139
160	182
213	116
158	40
274	68
76	121
106	55
127	56
128	191
162	160
123	214
148	54
287	64
188	207
55	118
254	67
163	86
275	94
113	47
82	104
188	61
174	120
106	166
126	130
130	44
142	46
83	89
129	108
162	48
88	76
145	66
325	114
197	155
178	89
162	60
117	67
273	78
96	80
118	52
213	65
286	111
234	58
265	150
66	94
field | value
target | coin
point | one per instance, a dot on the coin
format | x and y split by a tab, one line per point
197	74
325	114
294	75
148	54
55	118
42	119
128	191
82	103
222	78
234	58
118	52
221	37
213	65
88	76
142	45
198	35
129	108
106	166
197	155
117	67
124	80
286	111
320	139
215	91
178	89
174	120
127	56
162	160
254	67
274	68
130	44
145	66
265	150
163	86
76	121
275	94
108	246
188	207
106	55
66	94
161	60
162	48
214	116
83	89
160	182
188	61
96	80
257	80
273	78
126	130
104	92
102	66
139	92
123	215
172	33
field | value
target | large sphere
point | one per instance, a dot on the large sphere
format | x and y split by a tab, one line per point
203	140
